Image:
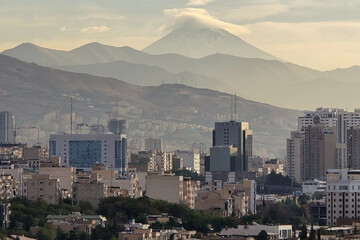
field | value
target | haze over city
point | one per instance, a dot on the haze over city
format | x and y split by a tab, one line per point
179	119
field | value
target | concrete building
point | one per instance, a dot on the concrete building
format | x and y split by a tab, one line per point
165	187
117	126
17	175
143	161
239	135
36	153
353	147
42	186
85	150
295	155
177	163
315	186
190	187
191	160
65	175
7	128
274	232
75	222
8	187
89	189
163	161
153	144
319	151
342	195
339	119
273	165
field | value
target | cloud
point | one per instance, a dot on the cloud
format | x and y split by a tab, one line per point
196	3
65	29
321	45
196	18
95	29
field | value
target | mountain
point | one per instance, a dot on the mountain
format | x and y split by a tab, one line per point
87	54
145	75
202	42
351	74
40	96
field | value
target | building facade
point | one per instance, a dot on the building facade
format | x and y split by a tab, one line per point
153	144
85	150
7	128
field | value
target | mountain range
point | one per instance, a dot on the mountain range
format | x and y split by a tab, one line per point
33	92
271	81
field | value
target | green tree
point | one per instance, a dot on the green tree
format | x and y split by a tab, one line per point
303	233
312	233
262	235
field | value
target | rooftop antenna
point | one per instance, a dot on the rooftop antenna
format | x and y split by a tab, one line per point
71	115
231	108
235	106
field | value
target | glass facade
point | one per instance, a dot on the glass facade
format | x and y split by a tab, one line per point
120	153
52	148
84	153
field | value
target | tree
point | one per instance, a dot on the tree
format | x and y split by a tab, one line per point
312	233
262	235
303	233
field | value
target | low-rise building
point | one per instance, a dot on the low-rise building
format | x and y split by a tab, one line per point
75	222
90	190
8	186
275	232
165	187
42	186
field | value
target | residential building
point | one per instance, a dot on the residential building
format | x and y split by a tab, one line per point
342	195
273	165
85	150
295	155
274	231
7	128
163	161
190	187
36	153
8	187
143	161
153	144
319	151
177	163
75	222
191	160
66	176
313	186
353	147
165	187
42	186
89	188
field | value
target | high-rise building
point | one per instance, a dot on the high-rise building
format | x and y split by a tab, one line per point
84	150
153	144
319	151
117	126
238	135
353	147
7	127
294	155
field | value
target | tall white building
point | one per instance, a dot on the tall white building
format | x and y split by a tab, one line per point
84	150
191	160
342	195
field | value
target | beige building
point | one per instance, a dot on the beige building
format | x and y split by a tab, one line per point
295	155
42	186
143	162
165	187
75	222
319	151
163	161
8	186
273	165
36	152
89	189
65	175
190	188
342	195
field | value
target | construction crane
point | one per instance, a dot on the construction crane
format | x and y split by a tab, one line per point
38	132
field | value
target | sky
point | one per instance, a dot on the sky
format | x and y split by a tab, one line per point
321	34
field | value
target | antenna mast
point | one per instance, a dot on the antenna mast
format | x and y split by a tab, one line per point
235	106
71	115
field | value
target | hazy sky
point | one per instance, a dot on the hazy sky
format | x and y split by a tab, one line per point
322	34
